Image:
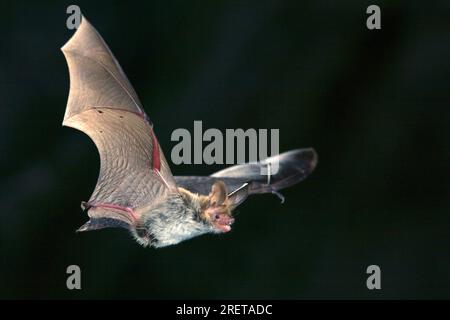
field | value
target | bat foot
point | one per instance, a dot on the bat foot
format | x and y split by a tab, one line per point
279	195
84	227
85	205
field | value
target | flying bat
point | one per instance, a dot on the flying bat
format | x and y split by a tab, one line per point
136	189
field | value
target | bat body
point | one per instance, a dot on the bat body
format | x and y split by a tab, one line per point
136	189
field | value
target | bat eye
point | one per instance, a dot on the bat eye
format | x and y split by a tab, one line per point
217	217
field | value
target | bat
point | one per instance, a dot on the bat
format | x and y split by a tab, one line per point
135	189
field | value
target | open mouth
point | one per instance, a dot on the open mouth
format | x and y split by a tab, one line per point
223	222
223	227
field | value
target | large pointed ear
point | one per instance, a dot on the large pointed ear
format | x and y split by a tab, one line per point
238	196
218	194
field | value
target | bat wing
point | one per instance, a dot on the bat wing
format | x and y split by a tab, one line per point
293	167
202	184
103	104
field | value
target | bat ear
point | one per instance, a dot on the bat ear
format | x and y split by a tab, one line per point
238	196
218	194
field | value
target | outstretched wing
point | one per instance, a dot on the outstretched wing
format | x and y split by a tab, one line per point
103	104
293	167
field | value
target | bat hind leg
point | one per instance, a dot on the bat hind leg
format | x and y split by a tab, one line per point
88	205
101	223
106	215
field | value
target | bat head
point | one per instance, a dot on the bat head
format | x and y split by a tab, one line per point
217	208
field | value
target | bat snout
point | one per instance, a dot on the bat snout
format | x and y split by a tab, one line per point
222	221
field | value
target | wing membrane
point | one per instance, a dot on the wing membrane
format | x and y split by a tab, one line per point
293	167
103	104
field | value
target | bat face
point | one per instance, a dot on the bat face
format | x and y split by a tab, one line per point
222	221
217	209
136	189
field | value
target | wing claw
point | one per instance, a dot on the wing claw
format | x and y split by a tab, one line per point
279	195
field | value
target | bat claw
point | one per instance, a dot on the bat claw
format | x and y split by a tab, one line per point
279	195
275	192
85	205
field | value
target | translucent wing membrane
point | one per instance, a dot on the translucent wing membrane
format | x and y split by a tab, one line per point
102	103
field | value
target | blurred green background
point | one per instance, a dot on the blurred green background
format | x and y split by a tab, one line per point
374	104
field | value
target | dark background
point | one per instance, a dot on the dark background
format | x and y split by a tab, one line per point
374	104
